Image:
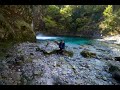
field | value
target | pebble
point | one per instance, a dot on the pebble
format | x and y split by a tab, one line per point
104	78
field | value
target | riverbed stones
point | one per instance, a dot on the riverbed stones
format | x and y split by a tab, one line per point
56	69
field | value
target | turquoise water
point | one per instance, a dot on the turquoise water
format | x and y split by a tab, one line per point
71	41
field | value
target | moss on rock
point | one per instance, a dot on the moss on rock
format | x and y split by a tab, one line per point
15	24
68	53
113	68
25	32
87	54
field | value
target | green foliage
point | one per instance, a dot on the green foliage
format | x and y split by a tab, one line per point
66	11
109	24
108	11
82	21
16	20
49	23
52	10
72	18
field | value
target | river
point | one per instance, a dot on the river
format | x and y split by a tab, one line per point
69	40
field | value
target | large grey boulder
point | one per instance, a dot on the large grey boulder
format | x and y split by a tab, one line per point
49	47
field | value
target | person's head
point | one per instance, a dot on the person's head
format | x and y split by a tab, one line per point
62	41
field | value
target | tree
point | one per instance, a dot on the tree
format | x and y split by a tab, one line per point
109	20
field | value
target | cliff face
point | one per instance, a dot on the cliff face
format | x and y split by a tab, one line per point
15	23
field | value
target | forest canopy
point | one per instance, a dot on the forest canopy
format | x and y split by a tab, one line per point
17	21
80	19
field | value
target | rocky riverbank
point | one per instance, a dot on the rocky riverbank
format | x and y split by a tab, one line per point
112	42
111	39
27	64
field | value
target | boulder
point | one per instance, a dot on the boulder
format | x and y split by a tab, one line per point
65	52
115	71
113	68
88	54
116	75
50	47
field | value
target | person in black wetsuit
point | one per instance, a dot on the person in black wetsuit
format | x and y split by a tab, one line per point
61	46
